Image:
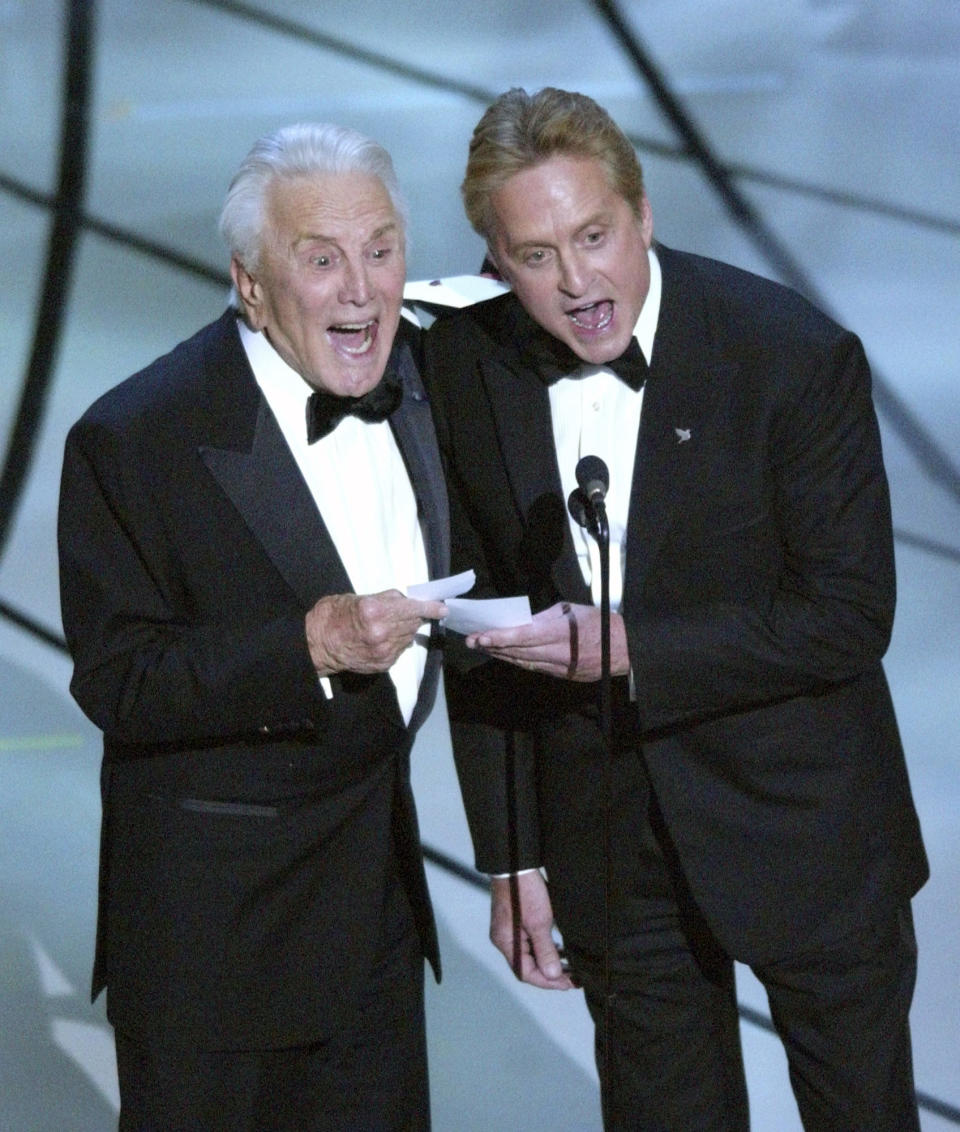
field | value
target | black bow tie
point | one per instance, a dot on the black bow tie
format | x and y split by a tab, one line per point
326	410
553	360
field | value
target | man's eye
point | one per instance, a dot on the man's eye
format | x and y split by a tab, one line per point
320	261
536	257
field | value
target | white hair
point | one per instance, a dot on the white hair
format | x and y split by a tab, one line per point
300	150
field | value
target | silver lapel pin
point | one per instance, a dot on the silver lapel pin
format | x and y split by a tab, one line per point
683	434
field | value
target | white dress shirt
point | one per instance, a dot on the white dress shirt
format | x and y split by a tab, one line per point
594	413
360	485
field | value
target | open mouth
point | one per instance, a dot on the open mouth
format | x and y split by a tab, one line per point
593	316
354	338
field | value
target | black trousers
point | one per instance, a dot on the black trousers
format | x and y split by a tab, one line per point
667	1033
371	1077
671	1027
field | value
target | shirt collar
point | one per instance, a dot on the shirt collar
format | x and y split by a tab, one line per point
646	327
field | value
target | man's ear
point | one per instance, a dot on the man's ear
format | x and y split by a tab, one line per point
493	266
249	292
645	217
490	267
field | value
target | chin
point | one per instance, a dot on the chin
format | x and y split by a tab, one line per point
353	380
594	350
607	347
365	384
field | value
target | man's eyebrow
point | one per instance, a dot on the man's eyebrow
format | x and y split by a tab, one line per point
602	216
313	238
524	244
320	238
390	226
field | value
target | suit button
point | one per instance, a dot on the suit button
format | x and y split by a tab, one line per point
264	730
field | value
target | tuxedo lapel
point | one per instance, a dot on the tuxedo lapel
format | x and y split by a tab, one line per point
250	460
254	467
678	410
521	409
412	428
266	487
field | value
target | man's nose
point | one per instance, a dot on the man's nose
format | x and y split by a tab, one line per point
355	284
575	274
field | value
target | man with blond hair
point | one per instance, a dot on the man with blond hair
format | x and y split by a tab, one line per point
756	802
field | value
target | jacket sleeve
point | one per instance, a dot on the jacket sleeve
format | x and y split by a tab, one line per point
493	747
156	661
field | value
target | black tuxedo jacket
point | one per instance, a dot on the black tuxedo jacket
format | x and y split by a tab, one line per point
758	602
247	819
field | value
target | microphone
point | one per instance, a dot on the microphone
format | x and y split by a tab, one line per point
585	503
593	478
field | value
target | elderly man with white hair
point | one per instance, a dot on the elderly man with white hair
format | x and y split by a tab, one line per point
239	524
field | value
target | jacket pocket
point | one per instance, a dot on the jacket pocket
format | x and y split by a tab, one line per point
228	809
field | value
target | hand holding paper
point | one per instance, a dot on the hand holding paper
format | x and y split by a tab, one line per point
562	641
467	615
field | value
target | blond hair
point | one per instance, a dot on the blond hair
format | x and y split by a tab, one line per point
521	130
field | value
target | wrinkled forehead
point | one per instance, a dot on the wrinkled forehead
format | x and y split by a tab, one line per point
565	191
334	206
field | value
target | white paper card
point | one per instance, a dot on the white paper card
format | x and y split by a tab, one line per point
468	616
440	589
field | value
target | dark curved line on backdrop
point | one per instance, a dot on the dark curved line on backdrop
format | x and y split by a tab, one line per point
117	234
929	453
931	456
65	229
376	59
445	83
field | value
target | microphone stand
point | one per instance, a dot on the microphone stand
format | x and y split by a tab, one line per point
596	514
